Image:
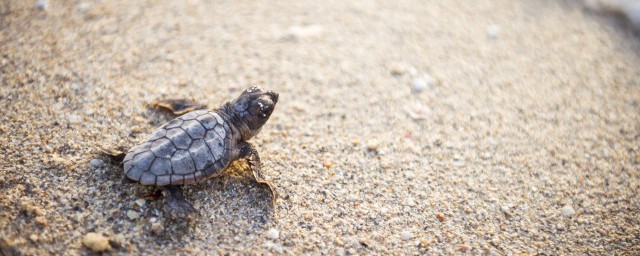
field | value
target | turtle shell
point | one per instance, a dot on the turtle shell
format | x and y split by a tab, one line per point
189	148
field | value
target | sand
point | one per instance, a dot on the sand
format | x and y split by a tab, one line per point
403	127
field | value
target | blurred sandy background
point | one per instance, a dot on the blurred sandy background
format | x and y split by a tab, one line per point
403	127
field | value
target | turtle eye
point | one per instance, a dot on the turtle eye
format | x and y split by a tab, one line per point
266	111
264	108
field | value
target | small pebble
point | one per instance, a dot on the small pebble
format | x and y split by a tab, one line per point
372	145
156	227
96	242
406	235
493	31
42	4
492	142
32	209
96	163
73	119
307	216
84	6
399	69
417	112
274	246
419	84
326	163
136	129
118	239
410	201
132	215
140	202
297	32
567	211
41	220
424	244
273	234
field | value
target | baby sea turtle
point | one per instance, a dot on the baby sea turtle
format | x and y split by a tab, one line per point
199	145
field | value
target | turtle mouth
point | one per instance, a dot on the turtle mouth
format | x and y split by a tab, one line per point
273	96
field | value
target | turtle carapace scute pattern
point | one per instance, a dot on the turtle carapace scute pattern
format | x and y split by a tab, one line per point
190	148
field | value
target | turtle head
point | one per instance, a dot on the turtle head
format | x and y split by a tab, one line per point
253	108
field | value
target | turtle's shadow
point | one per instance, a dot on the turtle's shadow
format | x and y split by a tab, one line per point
226	202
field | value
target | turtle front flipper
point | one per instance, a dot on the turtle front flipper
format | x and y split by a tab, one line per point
257	174
247	150
175	205
178	106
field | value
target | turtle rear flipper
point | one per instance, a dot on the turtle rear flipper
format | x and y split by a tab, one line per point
178	106
175	106
116	155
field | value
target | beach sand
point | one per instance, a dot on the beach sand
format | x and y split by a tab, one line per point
403	127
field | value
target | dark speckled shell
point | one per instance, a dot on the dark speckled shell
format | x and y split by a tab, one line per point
188	149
